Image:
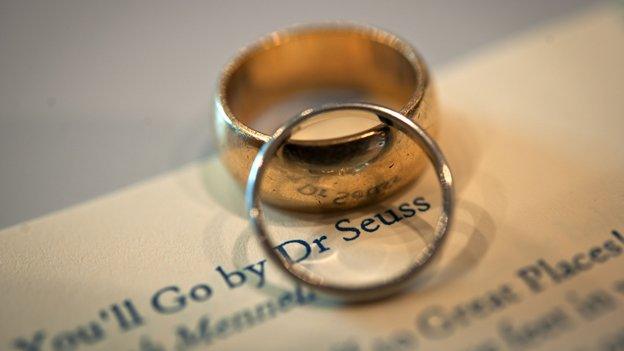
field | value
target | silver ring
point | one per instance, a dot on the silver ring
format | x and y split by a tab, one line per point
368	292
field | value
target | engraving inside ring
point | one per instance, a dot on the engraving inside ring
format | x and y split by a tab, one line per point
316	179
349	173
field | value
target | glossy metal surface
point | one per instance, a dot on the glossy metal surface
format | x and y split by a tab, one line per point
260	171
328	174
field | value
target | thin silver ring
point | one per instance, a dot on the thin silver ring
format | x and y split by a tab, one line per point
368	292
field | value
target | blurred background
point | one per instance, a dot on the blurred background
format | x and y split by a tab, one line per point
97	95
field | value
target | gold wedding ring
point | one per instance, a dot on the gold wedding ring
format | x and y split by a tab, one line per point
330	173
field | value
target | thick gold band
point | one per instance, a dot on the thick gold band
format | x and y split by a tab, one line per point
329	174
